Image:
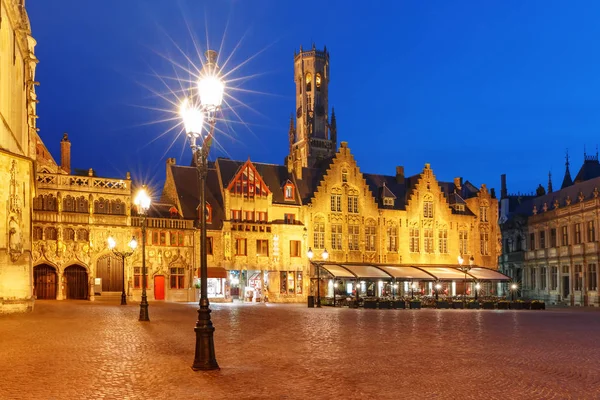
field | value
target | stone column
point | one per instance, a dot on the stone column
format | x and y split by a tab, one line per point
59	285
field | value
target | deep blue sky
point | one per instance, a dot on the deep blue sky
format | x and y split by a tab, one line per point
476	88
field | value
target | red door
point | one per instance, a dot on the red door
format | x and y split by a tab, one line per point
159	287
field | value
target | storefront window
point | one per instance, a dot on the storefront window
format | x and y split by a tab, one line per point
291	283
283	282
299	282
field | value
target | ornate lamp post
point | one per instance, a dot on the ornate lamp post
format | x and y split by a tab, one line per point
195	112
142	202
112	244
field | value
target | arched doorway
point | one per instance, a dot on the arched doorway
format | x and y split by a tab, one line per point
44	282
77	282
110	269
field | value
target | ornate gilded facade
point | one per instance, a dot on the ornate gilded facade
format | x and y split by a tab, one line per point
17	155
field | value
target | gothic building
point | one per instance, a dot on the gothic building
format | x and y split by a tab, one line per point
550	239
17	155
261	218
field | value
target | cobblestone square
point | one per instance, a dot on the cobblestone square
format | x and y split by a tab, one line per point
98	350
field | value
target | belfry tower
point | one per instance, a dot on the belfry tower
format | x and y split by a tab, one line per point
314	135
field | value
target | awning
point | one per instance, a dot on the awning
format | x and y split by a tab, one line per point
338	271
485	274
445	273
406	273
367	271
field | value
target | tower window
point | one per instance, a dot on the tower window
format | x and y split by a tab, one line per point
308	82
318	82
300	85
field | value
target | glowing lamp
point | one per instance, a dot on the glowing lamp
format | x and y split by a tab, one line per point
211	89
193	118
142	200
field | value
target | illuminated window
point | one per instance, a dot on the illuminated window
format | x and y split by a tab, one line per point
288	191
319	235
591	231
484	243
483	212
370	237
318	82
83	235
289	218
163	238
248	183
428	240
336	236
69	204
388	201
428	209
308	82
137	278
344	175
414	240
463	242
37	233
353	235
236	215
336	202
50	233
443	241
392	238
82	205
299	282
353	204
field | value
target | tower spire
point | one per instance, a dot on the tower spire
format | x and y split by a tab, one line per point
567	181
550	182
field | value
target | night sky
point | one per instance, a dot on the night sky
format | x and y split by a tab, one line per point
474	88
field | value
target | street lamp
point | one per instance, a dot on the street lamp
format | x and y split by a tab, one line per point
142	202
513	289
195	112
437	290
112	244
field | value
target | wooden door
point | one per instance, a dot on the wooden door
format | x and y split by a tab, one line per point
159	287
110	269
44	281
77	282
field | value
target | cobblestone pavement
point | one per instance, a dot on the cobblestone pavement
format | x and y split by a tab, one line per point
98	350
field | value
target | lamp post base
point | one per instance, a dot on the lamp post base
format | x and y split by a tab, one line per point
123	299
144	311
204	357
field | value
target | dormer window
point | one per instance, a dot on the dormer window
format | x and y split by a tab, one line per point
459	207
288	191
388	201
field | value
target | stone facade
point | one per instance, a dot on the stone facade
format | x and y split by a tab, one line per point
17	155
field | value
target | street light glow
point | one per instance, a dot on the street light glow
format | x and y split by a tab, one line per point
211	89
193	118
142	200
111	242
310	254
325	255
133	243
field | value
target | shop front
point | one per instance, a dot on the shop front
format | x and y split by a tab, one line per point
218	285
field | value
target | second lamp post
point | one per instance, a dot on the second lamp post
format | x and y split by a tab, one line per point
142	202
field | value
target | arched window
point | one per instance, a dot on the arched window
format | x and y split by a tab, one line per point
117	207
83	235
69	204
82	205
101	206
50	233
38	203
68	234
308	82
37	233
300	85
428	207
318	82
49	203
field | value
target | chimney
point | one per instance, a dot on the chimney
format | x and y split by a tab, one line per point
503	192
65	154
400	175
458	183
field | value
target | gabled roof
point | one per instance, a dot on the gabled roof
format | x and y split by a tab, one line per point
187	187
272	176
